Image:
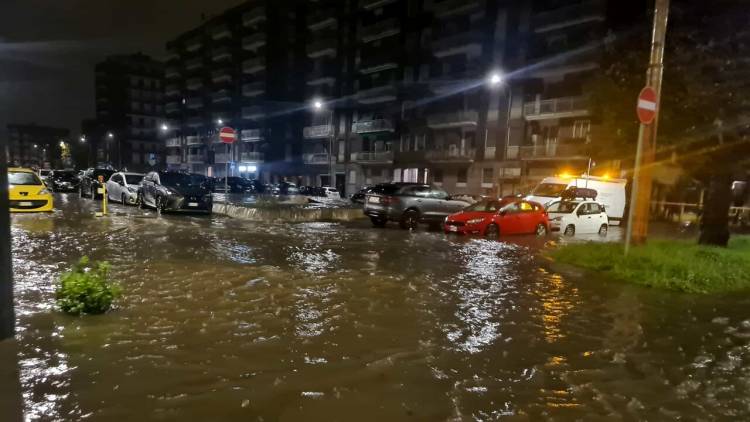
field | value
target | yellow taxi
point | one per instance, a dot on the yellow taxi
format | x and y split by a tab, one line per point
27	191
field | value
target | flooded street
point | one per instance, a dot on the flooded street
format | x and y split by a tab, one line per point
223	319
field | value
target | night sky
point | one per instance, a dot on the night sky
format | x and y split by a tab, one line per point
48	49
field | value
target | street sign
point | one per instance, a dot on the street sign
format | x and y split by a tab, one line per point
227	135
647	105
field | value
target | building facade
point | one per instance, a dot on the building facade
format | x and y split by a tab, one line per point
356	92
129	113
31	145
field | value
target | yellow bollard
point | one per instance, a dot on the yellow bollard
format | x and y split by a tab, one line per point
103	191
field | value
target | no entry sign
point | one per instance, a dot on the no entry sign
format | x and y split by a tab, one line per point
646	105
227	135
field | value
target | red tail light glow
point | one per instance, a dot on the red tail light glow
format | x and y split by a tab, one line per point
389	200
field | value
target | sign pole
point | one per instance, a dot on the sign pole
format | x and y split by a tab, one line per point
226	173
7	316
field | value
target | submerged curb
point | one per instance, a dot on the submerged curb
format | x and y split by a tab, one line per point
289	214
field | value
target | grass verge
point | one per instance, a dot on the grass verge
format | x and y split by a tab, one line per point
668	264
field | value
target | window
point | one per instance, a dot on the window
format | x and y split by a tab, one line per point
352	176
420	191
526	207
117	178
581	128
487	175
461	176
438	176
438	194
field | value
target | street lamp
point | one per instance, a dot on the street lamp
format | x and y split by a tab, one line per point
219	122
319	106
495	79
164	127
83	139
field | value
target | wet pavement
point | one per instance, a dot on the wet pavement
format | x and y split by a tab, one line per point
223	319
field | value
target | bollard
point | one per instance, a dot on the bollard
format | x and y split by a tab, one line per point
102	190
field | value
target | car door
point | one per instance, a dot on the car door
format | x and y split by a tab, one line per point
586	219
147	191
527	217
598	217
510	219
113	187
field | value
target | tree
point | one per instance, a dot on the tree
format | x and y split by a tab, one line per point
702	117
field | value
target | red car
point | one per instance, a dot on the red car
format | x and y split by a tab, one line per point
494	217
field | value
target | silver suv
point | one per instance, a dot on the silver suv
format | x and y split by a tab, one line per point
409	204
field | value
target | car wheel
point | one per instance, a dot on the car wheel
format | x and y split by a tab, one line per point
141	204
541	230
603	230
124	200
570	230
410	220
378	221
492	231
159	203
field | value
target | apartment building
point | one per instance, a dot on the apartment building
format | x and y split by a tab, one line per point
129	112
356	92
32	145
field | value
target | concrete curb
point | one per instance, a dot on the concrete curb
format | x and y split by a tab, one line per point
288	214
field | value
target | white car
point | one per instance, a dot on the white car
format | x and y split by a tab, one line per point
123	187
331	193
578	217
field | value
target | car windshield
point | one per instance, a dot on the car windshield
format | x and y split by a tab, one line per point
484	206
387	189
182	180
105	173
67	175
133	179
549	189
23	178
562	207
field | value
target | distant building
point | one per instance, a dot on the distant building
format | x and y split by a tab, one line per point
404	90
31	145
129	112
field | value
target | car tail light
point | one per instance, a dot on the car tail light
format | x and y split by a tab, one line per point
389	200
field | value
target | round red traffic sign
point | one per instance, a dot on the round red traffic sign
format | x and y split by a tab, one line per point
227	135
647	105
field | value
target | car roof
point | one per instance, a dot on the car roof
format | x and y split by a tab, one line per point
20	170
132	174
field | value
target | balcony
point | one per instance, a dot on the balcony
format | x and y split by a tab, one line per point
315	158
322	19
454	7
194	84
253	65
221	75
172	90
556	108
316	132
469	43
221	32
381	29
221	96
172	72
256	157
222	158
254	16
384	157
193	140
194	122
172	55
253	113
322	47
194	45
455	155
573	14
552	151
196	158
221	53
173	107
172	142
194	64
374	4
195	103
323	72
254	89
174	159
371	126
253	42
464	118
377	62
377	94
251	135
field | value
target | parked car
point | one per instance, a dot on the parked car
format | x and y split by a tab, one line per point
490	218
237	185
44	174
173	191
123	187
285	188
583	217
63	181
359	197
409	204
331	193
90	182
27	192
608	192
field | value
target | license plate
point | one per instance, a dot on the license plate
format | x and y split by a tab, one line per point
373	200
192	204
25	204
452	228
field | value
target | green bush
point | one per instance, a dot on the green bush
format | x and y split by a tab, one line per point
86	290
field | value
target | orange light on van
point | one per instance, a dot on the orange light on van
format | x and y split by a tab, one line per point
565	176
605	176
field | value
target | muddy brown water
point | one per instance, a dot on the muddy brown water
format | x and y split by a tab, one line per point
229	320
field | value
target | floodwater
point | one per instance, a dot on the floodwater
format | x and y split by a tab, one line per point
225	320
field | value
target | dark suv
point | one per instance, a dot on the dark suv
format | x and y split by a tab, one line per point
173	191
409	204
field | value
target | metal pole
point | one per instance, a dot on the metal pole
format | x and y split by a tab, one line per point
331	174
637	229
226	173
7	316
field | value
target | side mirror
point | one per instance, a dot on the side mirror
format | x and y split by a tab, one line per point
503	213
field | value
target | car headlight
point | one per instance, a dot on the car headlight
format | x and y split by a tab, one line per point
557	219
43	191
132	189
475	221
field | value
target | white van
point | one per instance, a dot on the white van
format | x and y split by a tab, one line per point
610	193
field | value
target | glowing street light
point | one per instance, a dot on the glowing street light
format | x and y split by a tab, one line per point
219	121
110	135
318	104
83	139
164	127
495	79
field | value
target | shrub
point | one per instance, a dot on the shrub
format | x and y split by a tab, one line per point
86	290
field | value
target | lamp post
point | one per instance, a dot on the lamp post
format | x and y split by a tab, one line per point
319	106
495	80
88	149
